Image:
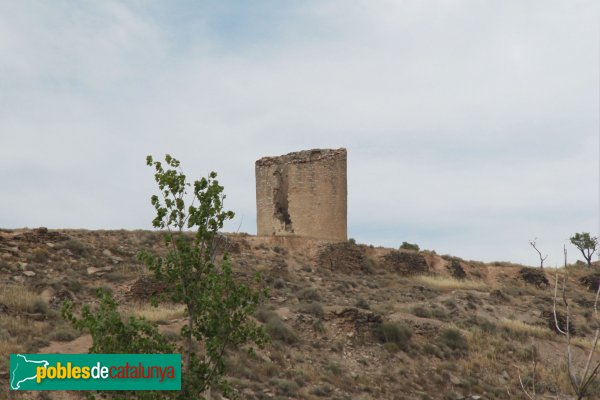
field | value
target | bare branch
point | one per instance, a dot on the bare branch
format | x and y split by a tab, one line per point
542	258
554	307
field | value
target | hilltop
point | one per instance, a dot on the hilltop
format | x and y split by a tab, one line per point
347	320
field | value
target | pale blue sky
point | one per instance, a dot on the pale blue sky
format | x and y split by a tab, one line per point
471	126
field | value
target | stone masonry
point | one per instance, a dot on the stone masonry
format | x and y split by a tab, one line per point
304	194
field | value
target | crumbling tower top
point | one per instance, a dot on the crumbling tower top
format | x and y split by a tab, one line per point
303	193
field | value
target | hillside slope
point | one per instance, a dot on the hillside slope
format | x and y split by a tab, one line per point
347	321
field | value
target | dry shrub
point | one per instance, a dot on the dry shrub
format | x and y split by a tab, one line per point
19	299
394	332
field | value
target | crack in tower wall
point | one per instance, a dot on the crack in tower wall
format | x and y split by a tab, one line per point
280	197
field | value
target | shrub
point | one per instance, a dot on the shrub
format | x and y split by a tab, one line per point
394	332
313	308
322	391
439	313
362	303
334	368
63	335
391	347
318	326
40	256
409	246
40	306
278	330
279	283
263	314
352	241
285	387
421	311
366	265
75	247
454	340
309	293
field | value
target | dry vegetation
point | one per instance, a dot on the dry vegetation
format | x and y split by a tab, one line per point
346	322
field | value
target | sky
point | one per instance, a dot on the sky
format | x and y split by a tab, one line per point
471	127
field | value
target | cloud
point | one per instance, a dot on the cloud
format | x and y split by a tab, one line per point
471	127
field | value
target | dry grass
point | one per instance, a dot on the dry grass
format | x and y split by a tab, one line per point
161	314
23	329
485	352
7	347
584	342
521	328
448	283
18	298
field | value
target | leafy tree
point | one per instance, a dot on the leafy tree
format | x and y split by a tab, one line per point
586	244
217	306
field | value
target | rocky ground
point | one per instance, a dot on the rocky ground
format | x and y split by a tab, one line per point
347	321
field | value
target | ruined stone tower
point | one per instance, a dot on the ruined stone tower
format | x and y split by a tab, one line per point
303	194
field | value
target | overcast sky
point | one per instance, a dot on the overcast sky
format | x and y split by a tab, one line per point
471	126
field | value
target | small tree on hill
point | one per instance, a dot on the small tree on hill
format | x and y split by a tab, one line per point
217	306
586	244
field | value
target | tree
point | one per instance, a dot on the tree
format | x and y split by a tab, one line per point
217	306
533	244
586	244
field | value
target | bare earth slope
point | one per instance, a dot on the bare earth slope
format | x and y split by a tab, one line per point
347	321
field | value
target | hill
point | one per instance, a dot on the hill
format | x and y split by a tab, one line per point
347	321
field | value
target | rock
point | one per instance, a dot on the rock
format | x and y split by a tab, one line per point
145	287
456	381
18	278
29	273
405	263
49	244
23	265
344	256
107	253
61	296
457	270
98	270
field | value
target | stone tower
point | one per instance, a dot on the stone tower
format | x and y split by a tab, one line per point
304	194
